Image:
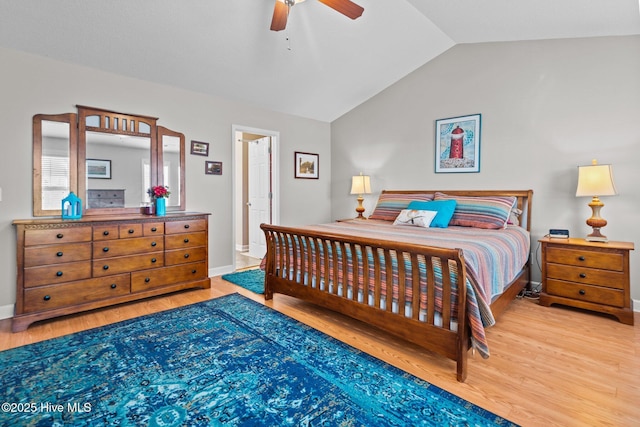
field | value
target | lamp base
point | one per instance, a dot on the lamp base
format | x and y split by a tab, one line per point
360	208
596	236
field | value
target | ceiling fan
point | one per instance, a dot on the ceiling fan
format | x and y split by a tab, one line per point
282	8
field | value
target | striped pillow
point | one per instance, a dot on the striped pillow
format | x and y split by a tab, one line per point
390	205
490	212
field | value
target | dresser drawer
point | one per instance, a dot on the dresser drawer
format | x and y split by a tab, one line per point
105	198
57	235
56	254
583	292
586	258
144	280
593	276
189	226
127	231
57	273
114	248
109	266
105	232
178	241
68	294
182	256
152	228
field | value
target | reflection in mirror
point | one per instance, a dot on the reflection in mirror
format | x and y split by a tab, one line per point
118	170
55	164
171	167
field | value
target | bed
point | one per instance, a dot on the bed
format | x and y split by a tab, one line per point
403	276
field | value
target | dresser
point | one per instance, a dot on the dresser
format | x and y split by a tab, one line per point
587	275
69	266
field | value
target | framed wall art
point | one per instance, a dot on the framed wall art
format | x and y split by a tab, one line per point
98	169
200	148
458	144
213	168
306	165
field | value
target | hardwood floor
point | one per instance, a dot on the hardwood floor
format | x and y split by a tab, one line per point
548	366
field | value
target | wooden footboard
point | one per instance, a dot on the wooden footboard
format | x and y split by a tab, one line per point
353	275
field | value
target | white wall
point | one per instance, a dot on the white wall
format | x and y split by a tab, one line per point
32	85
547	107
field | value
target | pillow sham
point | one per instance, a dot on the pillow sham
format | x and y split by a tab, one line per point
444	211
415	218
390	204
490	212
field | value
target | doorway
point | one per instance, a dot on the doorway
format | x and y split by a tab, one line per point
255	194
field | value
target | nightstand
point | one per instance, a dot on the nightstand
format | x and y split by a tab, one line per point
588	275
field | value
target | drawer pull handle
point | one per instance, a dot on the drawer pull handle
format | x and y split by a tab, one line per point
59	273
153	243
153	260
105	249
60	235
154	229
186	240
46	297
105	267
580	258
186	226
105	233
194	271
582	292
131	231
113	286
147	279
186	255
582	275
59	254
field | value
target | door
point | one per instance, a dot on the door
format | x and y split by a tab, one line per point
259	194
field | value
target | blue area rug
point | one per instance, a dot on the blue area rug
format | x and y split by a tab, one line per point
227	361
248	279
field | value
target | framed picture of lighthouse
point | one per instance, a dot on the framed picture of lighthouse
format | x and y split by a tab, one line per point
458	144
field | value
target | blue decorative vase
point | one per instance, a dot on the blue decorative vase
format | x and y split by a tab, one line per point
71	207
161	206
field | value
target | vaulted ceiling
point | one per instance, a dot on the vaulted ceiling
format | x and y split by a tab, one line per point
321	66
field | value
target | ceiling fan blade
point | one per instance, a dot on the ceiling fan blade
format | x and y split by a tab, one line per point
280	14
345	7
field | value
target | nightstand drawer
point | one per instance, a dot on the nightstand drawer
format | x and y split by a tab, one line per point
592	276
583	292
586	258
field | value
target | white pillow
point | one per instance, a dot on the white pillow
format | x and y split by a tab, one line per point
415	218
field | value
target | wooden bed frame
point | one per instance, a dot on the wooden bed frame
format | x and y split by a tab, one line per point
423	332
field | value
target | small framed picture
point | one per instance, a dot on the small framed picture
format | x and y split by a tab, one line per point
98	169
307	165
213	168
200	148
458	144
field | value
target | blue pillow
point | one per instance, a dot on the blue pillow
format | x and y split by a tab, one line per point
444	208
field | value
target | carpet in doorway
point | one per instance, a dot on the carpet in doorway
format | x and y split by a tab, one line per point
252	280
226	361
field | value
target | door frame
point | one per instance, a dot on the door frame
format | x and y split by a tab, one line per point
236	186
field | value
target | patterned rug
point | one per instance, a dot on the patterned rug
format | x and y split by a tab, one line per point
227	361
252	280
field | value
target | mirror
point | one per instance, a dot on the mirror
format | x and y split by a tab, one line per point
108	159
54	162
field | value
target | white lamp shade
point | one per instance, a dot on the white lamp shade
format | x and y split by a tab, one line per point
361	184
595	180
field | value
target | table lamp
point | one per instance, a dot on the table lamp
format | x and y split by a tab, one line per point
360	184
593	181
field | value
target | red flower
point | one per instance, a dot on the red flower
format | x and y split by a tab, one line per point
158	192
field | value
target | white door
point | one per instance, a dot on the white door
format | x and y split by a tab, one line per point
259	194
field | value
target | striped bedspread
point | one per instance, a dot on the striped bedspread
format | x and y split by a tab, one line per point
493	259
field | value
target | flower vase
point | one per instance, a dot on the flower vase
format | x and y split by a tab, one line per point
161	206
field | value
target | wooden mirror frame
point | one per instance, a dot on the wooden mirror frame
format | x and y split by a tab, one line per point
77	155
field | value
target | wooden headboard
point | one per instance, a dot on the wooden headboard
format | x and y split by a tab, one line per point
523	199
